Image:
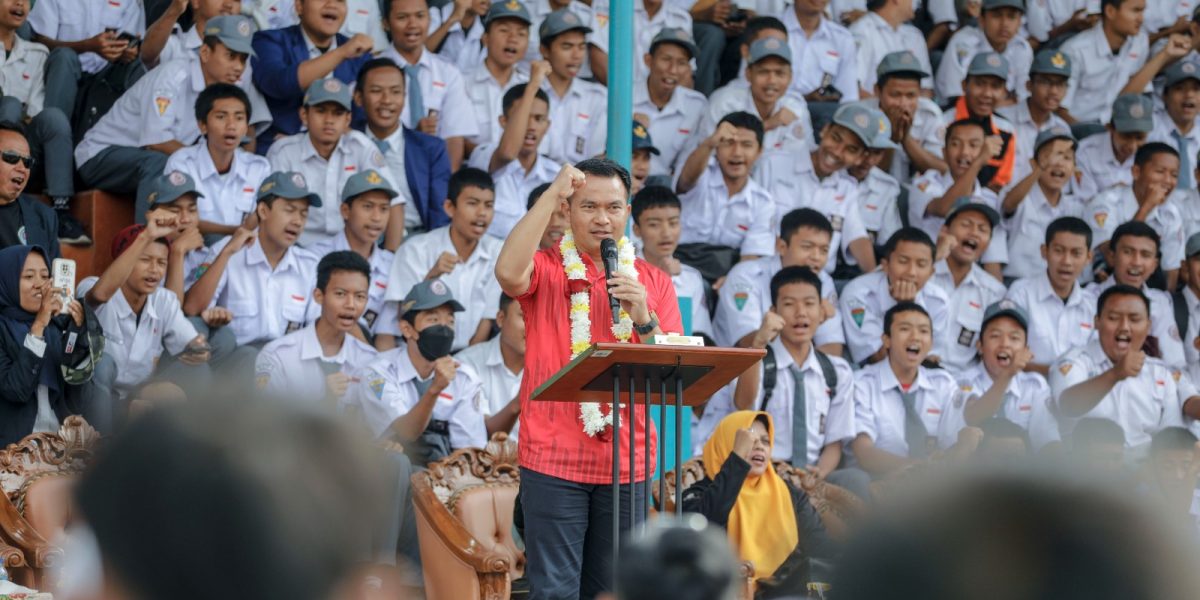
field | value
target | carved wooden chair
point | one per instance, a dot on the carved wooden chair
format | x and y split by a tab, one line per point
36	475
464	507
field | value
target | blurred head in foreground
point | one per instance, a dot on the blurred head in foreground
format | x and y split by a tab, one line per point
678	559
1017	538
245	501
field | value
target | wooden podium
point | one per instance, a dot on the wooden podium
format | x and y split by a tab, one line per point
663	372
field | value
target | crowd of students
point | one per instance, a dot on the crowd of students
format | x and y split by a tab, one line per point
945	221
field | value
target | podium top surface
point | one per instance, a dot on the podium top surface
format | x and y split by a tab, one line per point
703	371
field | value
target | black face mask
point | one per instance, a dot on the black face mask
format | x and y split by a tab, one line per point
435	342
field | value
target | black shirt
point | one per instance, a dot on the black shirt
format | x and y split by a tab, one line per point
12	227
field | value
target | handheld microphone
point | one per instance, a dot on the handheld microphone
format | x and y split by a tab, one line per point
608	254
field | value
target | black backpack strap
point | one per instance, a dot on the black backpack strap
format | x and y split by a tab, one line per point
902	204
830	373
1181	313
770	375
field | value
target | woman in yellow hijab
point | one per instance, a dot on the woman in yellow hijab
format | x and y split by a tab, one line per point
769	523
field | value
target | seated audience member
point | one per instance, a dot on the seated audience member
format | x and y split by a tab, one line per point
1037	200
130	144
141	320
558	221
785	118
166	40
756	28
504	43
227	177
1186	302
418	394
1113	378
500	363
578	108
1098	444
538	12
1175	123
656	222
970	289
743	317
998	31
877	193
639	163
515	162
998	386
461	255
1106	160
317	362
1174	474
1133	256
770	523
262	277
328	154
904	412
727	216
362	16
1035	113
435	102
417	160
1151	199
983	90
1061	312
818	180
677	559
669	110
456	33
287	61
364	207
907	265
916	120
883	31
650	18
34	349
23	220
824	55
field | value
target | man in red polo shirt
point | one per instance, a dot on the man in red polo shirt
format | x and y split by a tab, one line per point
565	449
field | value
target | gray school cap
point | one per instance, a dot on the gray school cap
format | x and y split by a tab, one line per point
167	188
900	62
859	120
330	89
965	204
882	140
1193	245
1133	113
767	47
429	294
1179	71
507	10
366	181
561	21
1051	62
988	64
677	36
1005	308
235	31
1049	135
993	4
289	185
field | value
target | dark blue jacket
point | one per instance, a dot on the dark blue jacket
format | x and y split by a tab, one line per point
41	225
427	169
276	74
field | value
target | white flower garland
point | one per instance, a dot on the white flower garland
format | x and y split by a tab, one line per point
594	420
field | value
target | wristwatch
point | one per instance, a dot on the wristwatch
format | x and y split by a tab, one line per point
648	327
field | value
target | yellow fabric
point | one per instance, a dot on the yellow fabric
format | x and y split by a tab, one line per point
762	524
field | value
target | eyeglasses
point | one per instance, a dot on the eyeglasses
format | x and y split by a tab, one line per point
13	158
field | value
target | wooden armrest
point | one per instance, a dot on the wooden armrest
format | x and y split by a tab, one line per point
451	532
36	550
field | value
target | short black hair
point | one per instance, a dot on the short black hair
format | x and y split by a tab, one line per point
1135	229
800	218
1172	438
1094	431
903	307
535	194
1113	3
386	7
999	427
468	177
220	91
505	301
1120	289
1072	225
342	260
909	234
515	92
371	65
602	166
653	196
15	127
757	25
968	122
790	275
1151	149
744	120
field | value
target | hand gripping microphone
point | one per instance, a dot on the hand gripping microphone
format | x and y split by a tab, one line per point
608	254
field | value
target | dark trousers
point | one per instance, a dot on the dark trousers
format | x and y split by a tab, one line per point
568	535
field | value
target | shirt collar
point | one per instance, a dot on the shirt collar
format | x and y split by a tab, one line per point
401	365
395	140
255	256
494	357
1045	291
1193	303
307	150
125	311
313	51
887	378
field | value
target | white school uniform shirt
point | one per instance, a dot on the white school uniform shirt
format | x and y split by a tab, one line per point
876	39
294	366
472	283
1027	230
1162	320
442	90
23	74
830	54
1117	205
793	183
1191	355
487	98
964	45
1027	402
381	267
539	9
746	297
136	342
266	304
578	122
743	221
463	48
1041	16
73	21
387	390
927	126
933	184
229	197
392	148
829	421
1164	13
1142	405
185	45
1027	132
513	185
1165	131
1099	168
877	195
499	385
718	407
736	97
879	410
159	108
354	153
1055	327
1097	75
866	299
645	28
691	285
671	126
955	344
